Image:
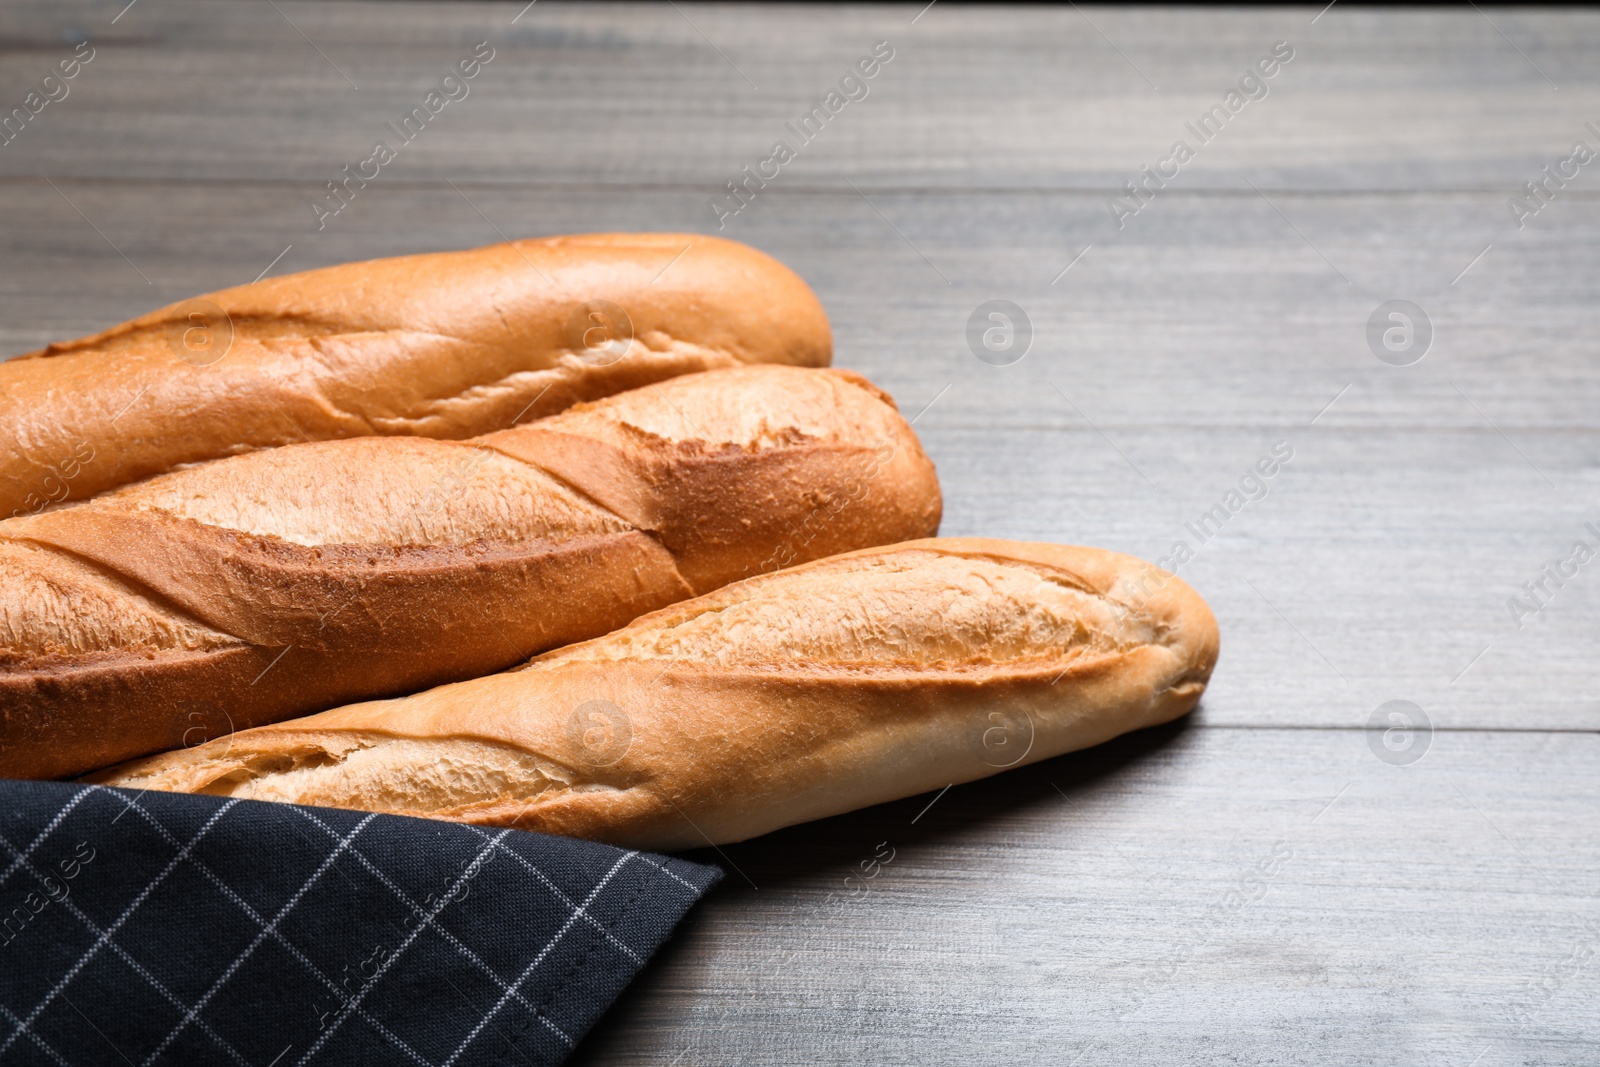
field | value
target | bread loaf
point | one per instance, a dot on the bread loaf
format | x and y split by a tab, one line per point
449	345
851	681
273	584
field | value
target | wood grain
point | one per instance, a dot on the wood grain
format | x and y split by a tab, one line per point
1185	895
974	97
1081	908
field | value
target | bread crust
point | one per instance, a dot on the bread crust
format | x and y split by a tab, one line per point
446	345
211	603
846	682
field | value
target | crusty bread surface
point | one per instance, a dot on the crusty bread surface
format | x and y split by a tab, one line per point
281	582
850	681
446	345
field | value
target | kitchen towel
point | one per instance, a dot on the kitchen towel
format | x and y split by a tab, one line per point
160	928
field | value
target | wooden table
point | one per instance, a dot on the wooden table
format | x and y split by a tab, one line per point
1265	883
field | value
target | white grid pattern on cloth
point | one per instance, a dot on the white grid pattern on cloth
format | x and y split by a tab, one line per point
427	921
261	935
227	891
38	839
49	828
534	964
287	945
571	904
191	1015
105	937
37	1040
471	956
662	867
134	965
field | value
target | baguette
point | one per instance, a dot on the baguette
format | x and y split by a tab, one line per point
855	680
282	582
448	345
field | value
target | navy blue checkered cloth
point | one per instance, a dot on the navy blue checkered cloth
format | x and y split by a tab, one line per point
157	928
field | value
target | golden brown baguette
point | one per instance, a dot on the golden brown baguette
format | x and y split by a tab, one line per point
448	345
282	582
851	681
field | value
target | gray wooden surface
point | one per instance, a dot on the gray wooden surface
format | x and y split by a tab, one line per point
1253	886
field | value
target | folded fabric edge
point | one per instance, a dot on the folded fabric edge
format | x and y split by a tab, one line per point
605	912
